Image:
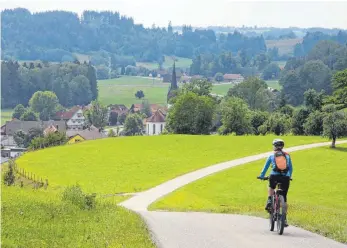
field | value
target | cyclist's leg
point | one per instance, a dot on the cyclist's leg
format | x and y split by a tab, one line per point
272	185
285	187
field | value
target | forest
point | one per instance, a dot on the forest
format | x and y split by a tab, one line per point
73	83
56	35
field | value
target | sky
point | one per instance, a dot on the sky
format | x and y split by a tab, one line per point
203	13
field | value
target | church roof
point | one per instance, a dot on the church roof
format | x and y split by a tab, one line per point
158	116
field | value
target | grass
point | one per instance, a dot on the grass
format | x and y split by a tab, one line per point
122	90
273	84
38	218
180	63
6	115
317	196
134	164
284	46
82	57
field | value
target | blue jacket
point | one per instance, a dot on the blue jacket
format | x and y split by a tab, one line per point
271	161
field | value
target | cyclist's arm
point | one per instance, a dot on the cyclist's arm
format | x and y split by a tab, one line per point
266	167
290	167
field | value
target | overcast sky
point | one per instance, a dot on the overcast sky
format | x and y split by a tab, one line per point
206	12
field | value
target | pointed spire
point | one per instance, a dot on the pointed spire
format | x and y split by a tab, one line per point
174	78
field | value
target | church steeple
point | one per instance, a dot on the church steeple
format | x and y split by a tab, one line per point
173	87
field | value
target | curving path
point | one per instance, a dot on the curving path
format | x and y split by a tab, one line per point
189	230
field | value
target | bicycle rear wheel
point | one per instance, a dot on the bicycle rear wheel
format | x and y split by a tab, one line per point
272	216
281	215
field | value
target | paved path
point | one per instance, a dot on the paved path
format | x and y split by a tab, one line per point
187	230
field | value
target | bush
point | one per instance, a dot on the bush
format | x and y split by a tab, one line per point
111	133
9	176
75	195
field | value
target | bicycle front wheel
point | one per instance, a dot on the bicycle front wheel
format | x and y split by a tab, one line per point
281	215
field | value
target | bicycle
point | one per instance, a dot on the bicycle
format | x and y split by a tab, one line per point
277	212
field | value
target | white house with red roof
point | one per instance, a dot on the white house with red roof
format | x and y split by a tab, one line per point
156	123
74	118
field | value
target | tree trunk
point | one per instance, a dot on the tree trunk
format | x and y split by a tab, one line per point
333	142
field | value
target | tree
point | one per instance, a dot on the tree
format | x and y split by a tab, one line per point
146	110
271	71
278	123
81	91
121	118
219	77
287	110
133	125
18	111
113	118
29	115
51	139
334	123
236	116
24	139
9	175
313	100
314	123
191	114
340	88
258	118
201	87
139	94
254	92
45	103
299	118
97	115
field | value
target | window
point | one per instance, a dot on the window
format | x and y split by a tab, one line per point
153	128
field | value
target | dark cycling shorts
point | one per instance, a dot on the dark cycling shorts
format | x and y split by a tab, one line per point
284	180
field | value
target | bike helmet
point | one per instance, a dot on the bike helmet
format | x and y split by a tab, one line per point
278	143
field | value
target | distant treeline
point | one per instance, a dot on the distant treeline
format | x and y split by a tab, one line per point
56	35
74	84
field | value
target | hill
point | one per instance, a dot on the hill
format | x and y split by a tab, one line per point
315	203
134	164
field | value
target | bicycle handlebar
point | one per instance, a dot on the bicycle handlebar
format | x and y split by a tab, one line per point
267	178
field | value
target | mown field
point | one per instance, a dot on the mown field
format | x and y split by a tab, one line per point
180	63
284	46
6	115
317	198
134	164
274	84
122	90
39	218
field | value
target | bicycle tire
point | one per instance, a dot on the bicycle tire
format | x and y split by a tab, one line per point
280	215
272	216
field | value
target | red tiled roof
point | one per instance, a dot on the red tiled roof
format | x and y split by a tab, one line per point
158	116
67	115
232	76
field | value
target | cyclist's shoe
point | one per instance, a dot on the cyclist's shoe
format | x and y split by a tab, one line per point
268	205
286	223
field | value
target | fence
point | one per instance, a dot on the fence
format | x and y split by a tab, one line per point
36	180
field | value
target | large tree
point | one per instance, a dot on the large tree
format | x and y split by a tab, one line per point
191	114
236	116
133	125
97	115
45	103
29	115
254	92
18	111
340	88
334	123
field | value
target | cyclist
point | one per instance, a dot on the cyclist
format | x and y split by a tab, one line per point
281	172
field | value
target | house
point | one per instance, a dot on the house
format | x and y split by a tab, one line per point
156	123
118	108
74	118
233	78
50	129
75	139
137	107
11	127
90	133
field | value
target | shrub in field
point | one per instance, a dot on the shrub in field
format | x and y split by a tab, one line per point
75	195
9	176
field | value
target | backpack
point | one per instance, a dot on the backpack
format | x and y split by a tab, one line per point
280	159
